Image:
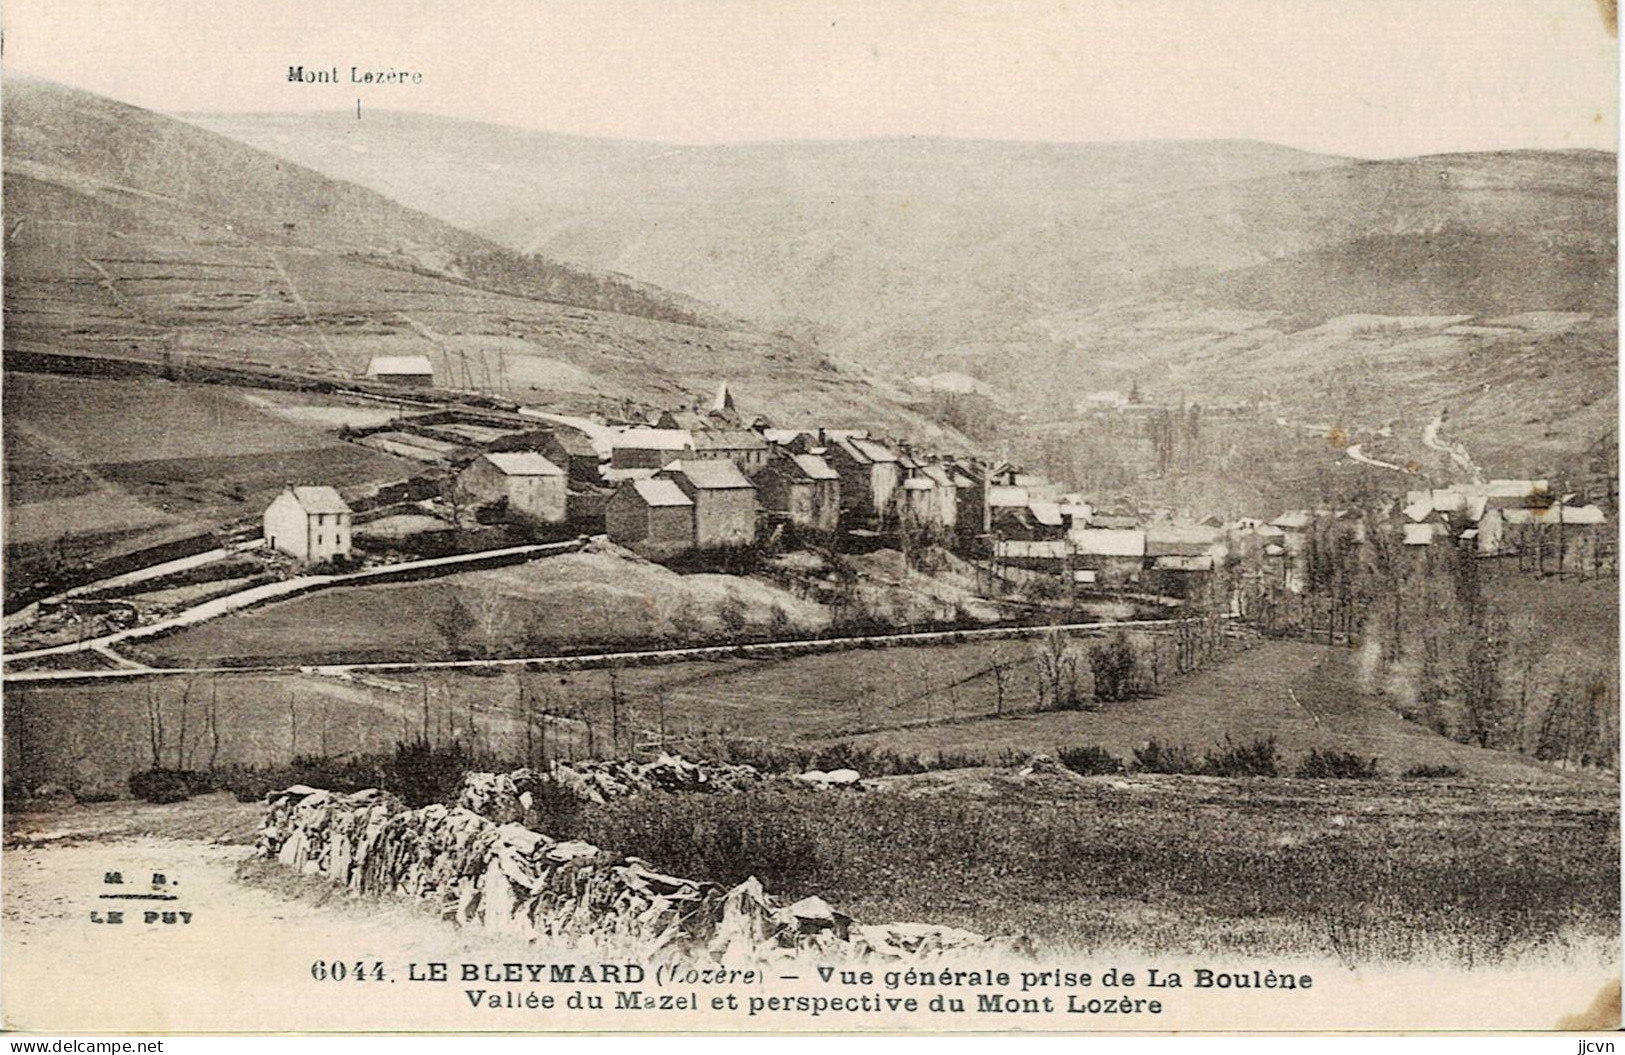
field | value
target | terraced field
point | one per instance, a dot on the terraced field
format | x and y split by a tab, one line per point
122	461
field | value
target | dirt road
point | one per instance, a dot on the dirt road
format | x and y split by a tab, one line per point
244	959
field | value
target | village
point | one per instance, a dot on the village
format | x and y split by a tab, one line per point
690	485
714	487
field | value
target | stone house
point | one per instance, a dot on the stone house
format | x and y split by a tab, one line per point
724	501
530	483
802	489
652	517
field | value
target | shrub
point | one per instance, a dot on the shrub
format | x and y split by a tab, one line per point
167	785
1090	760
733	615
422	773
1158	757
1431	772
554	808
1255	759
1113	665
1335	765
699	836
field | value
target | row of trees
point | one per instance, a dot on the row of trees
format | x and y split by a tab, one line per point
1436	641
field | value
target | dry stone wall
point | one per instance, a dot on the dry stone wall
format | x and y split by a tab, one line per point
504	797
482	870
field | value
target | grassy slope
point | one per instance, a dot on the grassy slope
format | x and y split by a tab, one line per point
576	601
172	462
805	701
1306	696
1201	867
132	234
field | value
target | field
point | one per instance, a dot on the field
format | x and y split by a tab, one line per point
923	701
1468	873
132	459
1306	696
577	600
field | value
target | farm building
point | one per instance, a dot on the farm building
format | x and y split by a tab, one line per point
412	370
571	451
918	505
650	448
1115	555
1181	560
1051	556
948	483
1170	547
310	523
801	488
1558	537
724	501
531	483
651	517
744	448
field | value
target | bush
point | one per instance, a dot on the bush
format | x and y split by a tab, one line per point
418	772
1113	665
696	835
1335	765
554	808
733	615
1090	760
1431	772
168	785
1255	759
422	773
1158	757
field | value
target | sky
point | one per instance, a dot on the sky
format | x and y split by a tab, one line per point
1365	78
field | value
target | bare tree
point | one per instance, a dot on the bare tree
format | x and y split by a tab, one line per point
1057	673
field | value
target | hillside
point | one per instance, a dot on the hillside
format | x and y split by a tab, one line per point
133	234
1223	270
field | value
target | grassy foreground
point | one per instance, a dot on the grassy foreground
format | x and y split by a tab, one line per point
1357	870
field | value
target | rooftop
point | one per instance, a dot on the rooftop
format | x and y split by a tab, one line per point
660	493
710	475
399	364
319	499
524	463
815	467
655	439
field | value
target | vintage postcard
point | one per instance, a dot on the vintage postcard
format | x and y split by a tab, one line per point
828	515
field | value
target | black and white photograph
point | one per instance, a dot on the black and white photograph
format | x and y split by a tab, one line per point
907	516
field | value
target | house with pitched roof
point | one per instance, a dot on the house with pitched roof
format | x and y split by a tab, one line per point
801	489
308	523
413	371
651	516
529	482
571	450
869	473
1115	555
724	501
641	448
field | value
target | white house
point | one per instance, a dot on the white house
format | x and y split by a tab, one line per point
310	523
